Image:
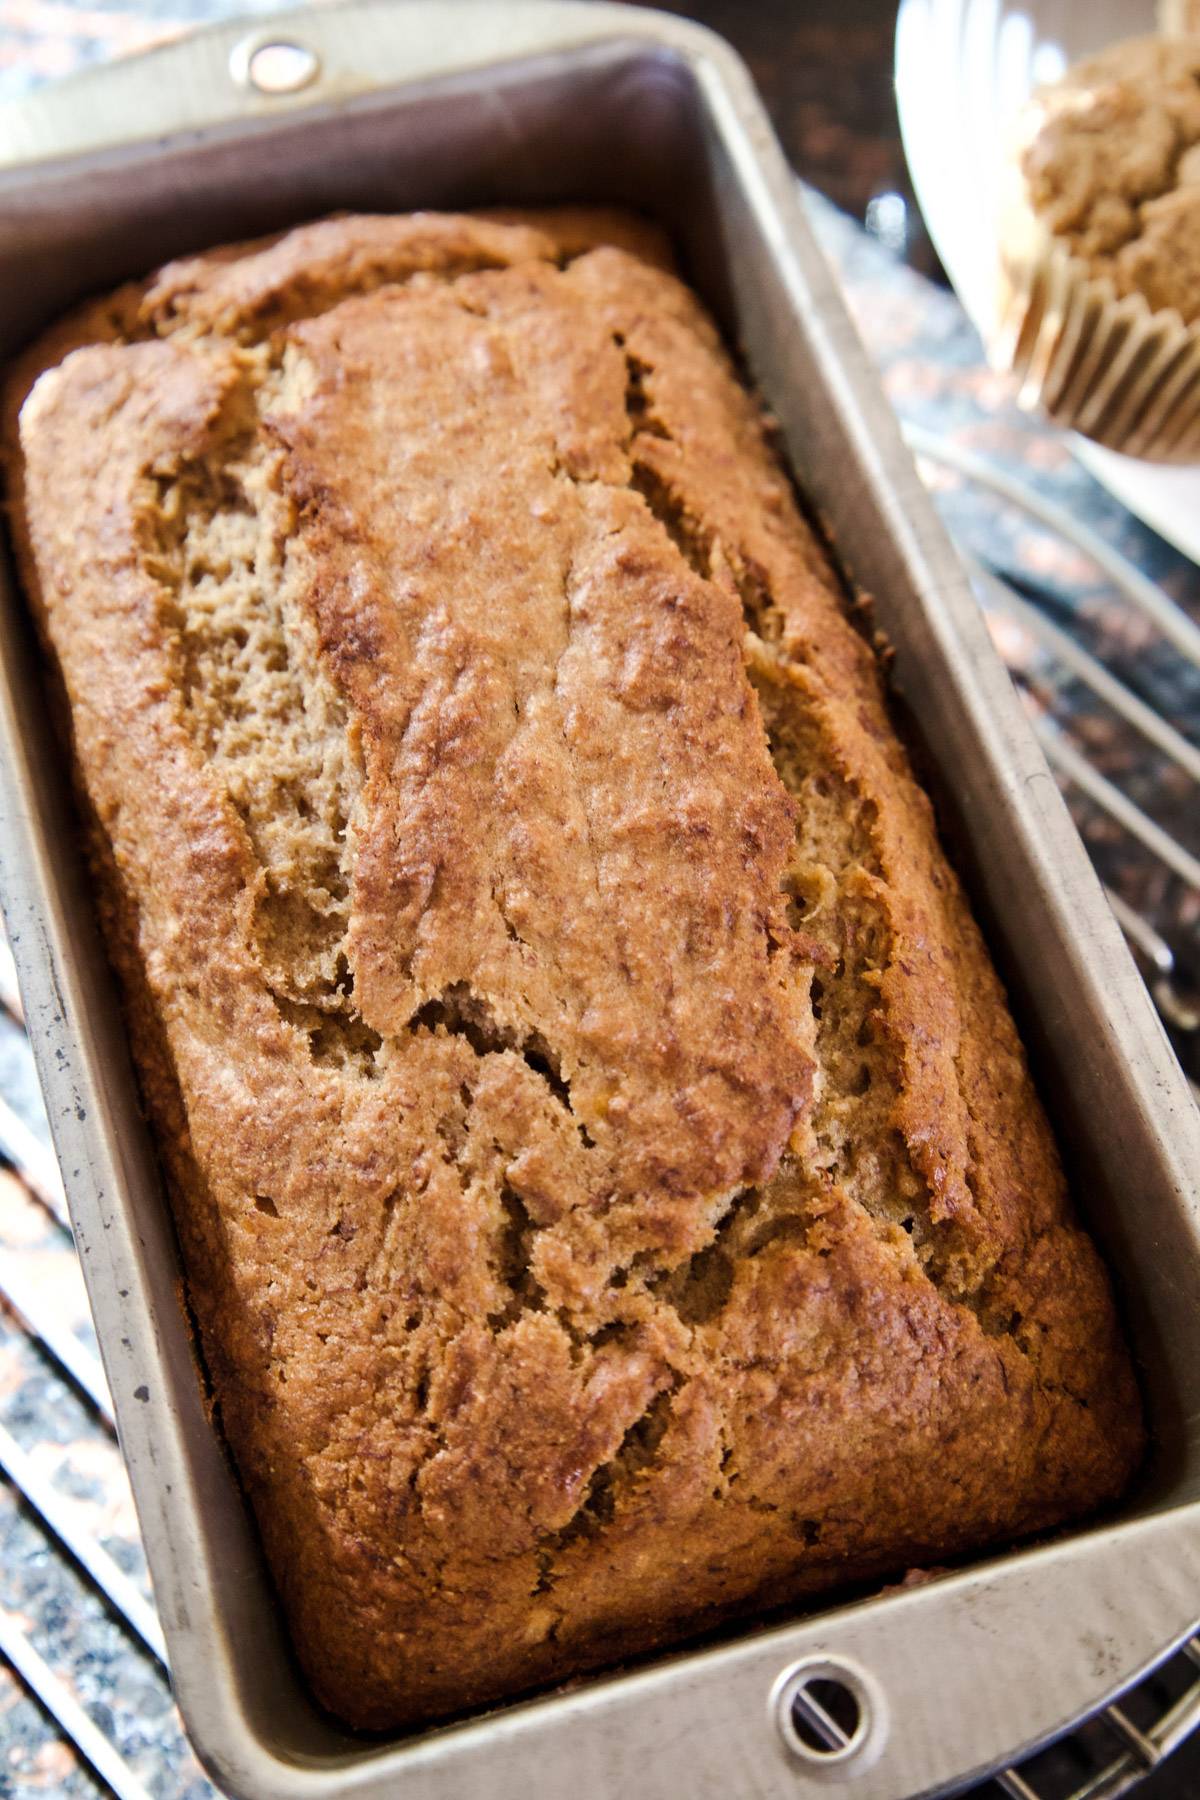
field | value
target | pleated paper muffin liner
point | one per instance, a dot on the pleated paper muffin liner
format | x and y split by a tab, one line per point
1109	366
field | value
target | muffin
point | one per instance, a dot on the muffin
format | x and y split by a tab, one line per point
1100	249
1179	18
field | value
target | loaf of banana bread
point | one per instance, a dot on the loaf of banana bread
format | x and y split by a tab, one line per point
609	1182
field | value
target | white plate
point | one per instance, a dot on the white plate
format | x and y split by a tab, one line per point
964	69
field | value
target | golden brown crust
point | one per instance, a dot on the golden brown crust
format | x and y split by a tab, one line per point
611	1189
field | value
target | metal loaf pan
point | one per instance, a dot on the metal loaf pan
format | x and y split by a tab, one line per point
463	104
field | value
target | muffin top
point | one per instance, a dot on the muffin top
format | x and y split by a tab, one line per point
1111	162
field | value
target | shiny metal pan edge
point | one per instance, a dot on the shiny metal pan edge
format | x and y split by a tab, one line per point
466	103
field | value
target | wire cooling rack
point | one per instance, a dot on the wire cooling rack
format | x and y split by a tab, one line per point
88	1703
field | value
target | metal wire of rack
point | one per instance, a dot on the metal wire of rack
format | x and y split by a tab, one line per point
1023	632
1115	1750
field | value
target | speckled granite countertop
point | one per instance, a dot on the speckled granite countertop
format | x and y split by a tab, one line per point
934	372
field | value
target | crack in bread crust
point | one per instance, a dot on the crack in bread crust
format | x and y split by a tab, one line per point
594	1125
